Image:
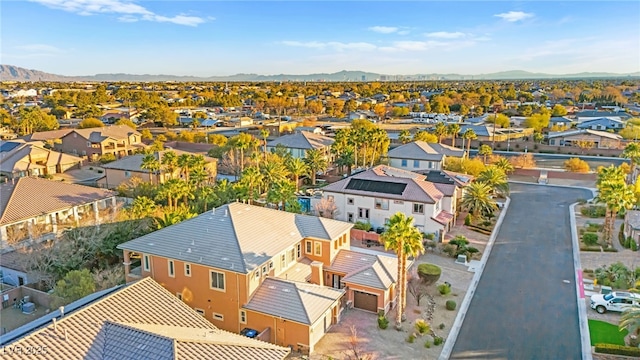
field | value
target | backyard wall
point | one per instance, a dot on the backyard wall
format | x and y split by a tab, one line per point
40	298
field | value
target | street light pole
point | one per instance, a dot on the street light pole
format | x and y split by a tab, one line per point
495	120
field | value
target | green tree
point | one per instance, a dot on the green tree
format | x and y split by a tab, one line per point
469	135
425	136
316	161
90	123
405	240
75	285
404	136
500	120
126	122
169	162
477	199
264	133
440	130
453	129
145	134
496	179
485	151
558	110
252	181
142	207
297	167
151	164
617	196
630	320
33	119
632	152
504	164
281	192
537	122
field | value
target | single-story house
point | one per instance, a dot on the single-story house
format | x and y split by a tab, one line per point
602	124
299	143
600	139
420	155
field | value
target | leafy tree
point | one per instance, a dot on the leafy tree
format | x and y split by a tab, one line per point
485	151
151	164
576	165
146	134
558	110
297	167
500	120
33	119
316	161
467	166
75	285
632	152
537	121
127	122
142	207
425	136
404	136
469	135
496	179
477	199
402	237
90	123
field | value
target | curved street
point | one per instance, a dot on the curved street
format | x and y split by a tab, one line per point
522	308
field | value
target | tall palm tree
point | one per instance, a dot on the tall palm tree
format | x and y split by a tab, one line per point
440	130
504	164
402	237
453	129
273	170
616	196
496	179
380	141
469	135
345	160
477	199
484	151
281	192
151	164
632	152
610	173
630	320
184	163
265	134
297	168
252	180
169	162
316	161
405	136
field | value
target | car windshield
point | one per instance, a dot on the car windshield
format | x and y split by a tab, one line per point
608	297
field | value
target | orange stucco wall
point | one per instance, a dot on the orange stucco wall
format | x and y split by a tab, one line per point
384	296
283	332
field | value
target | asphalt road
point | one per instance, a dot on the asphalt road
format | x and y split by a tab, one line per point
522	309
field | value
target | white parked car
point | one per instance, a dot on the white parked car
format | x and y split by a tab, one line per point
615	301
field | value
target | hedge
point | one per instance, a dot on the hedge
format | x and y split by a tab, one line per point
617	350
597	249
479	229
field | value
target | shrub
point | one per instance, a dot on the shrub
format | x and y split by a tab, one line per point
582	201
366	226
449	249
634	246
429	273
590	239
411	339
444	289
427	344
576	165
383	322
594	227
422	327
617	350
437	340
107	158
468	219
429	236
450	305
441	326
594	211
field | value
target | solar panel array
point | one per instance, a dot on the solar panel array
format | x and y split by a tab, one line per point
376	186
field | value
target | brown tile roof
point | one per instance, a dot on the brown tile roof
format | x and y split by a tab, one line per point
417	188
30	196
19	158
117	132
376	271
303	140
443	217
142	321
47	135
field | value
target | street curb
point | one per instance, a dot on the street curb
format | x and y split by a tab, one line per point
464	306
585	338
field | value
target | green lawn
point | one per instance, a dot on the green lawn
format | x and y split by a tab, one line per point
603	332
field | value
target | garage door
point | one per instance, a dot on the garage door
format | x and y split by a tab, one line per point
365	301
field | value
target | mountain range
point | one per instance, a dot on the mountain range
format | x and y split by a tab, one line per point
15	73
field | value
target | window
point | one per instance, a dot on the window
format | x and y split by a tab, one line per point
243	316
187	269
283	261
307	245
271	265
127	174
219	317
88	143
350	201
299	250
404	162
264	270
179	296
199	311
363	213
350	217
416	163
330	197
257	275
335	244
318	248
418	208
147	263
292	255
172	270
217	280
382	204
430	165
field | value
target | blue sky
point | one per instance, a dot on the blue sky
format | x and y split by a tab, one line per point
205	38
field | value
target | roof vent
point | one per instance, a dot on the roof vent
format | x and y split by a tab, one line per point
225	258
200	259
189	250
364	259
193	242
348	256
367	273
271	287
150	244
286	290
213	211
226	212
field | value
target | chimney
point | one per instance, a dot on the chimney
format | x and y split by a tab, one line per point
317	276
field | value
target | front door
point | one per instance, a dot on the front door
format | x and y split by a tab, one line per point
336	281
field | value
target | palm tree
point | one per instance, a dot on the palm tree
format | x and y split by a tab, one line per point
273	170
504	164
345	159
252	180
632	152
184	163
170	162
440	130
405	136
297	168
150	163
496	179
469	135
484	151
401	236
453	130
265	134
316	161
281	192
630	320
616	196
477	199
142	207
380	141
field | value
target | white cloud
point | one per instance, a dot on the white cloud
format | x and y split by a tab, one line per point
335	45
446	35
130	11
513	16
40	48
384	29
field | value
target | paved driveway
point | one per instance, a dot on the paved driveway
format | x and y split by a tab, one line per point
522	309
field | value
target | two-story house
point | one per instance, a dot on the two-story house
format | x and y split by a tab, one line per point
122	170
248	266
119	140
375	195
18	159
420	155
299	143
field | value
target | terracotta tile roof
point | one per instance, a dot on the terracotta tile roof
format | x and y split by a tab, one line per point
303	140
142	321
443	217
376	271
236	237
296	301
417	188
117	132
47	135
31	196
19	158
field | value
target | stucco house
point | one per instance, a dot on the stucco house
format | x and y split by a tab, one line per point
375	195
31	207
632	225
602	124
299	143
420	155
122	170
140	320
600	139
19	159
